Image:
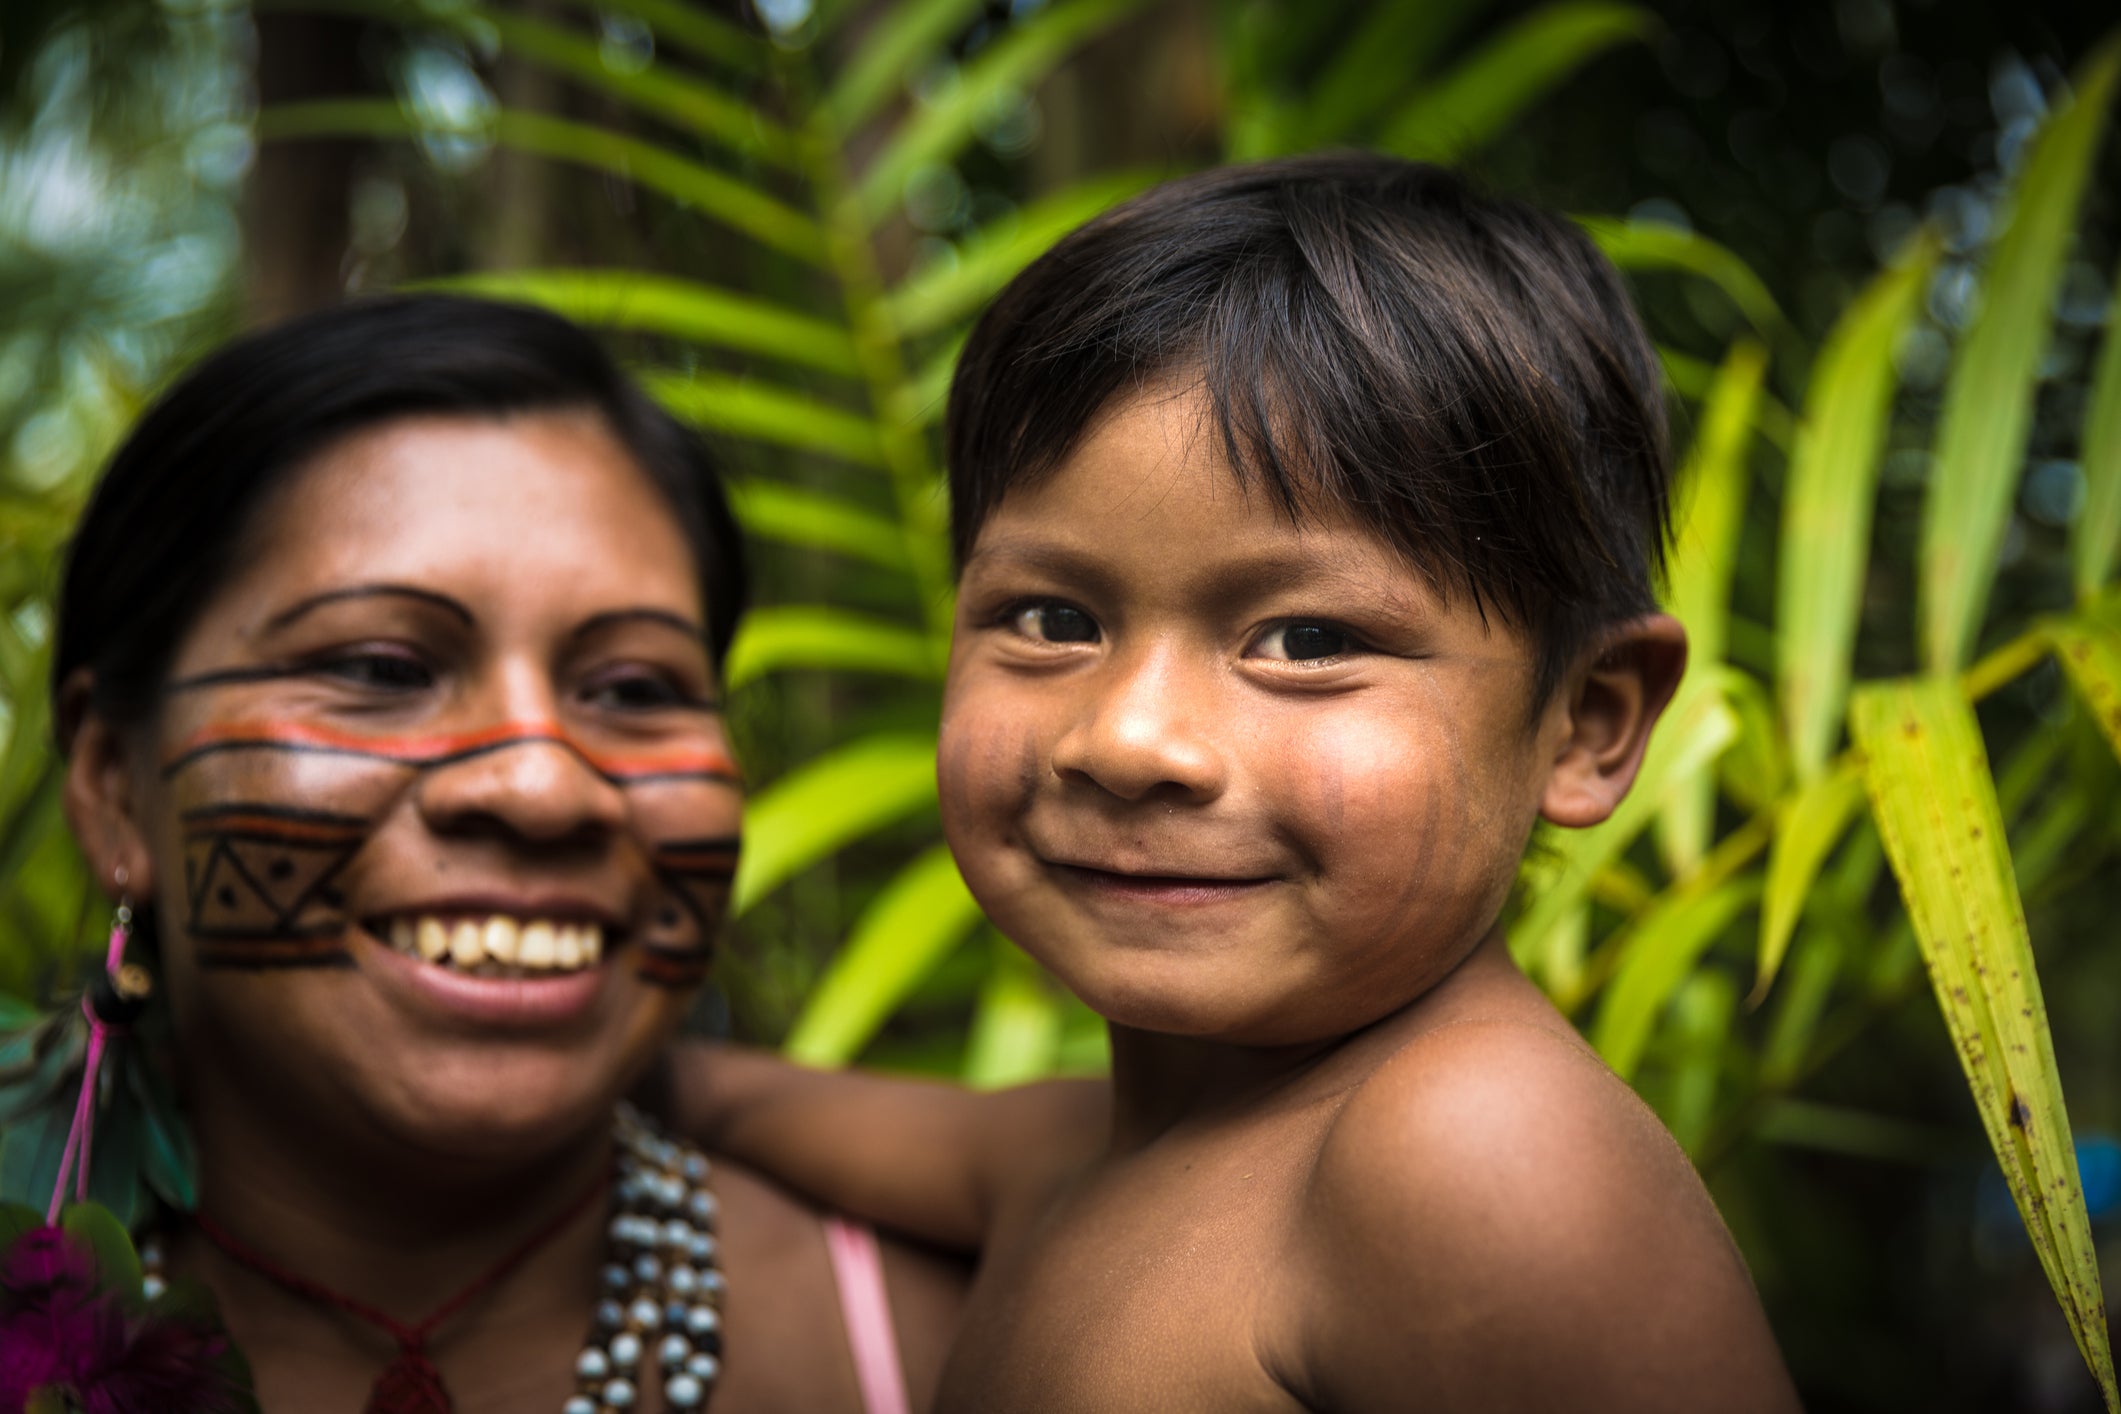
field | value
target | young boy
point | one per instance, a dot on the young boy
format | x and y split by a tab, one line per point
1307	515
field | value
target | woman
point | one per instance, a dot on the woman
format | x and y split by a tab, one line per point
386	668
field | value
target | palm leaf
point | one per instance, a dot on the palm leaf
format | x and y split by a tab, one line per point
1016	61
1826	510
794	515
660	91
903	40
715	195
1462	110
1807	827
2091	653
1653	245
765	413
677	308
922	914
1657	953
1930	788
946	291
1713	484
1988	405
1379	61
2097	533
811	636
819	808
1017	1026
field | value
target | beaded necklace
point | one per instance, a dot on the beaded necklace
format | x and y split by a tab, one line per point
661	1289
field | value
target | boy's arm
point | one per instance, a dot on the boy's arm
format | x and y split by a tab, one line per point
930	1159
1497	1222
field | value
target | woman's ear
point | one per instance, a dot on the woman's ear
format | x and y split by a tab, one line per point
1607	711
100	794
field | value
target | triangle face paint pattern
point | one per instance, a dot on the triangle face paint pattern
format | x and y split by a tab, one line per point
258	880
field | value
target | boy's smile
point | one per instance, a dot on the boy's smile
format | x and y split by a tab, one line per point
1228	776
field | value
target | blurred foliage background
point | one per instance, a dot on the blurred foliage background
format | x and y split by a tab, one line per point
1877	240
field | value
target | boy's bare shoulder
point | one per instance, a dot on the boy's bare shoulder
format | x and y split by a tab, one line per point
1496	1217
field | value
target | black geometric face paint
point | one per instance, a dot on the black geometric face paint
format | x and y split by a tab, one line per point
260	870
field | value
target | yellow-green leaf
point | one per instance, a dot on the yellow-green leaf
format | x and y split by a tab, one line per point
1376	63
1657	952
658	90
1807	827
1930	788
901	41
780	637
2091	653
936	130
665	304
713	194
1712	489
1016	1030
1694	732
1827	504
796	515
1456	113
1653	245
745	408
1988	405
2097	534
923	913
827	804
946	290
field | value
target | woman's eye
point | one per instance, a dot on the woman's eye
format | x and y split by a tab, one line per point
1302	642
389	672
1055	623
637	692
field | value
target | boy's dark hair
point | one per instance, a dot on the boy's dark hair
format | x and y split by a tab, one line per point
1462	373
170	513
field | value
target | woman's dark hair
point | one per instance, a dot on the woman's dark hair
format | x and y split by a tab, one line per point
1461	373
176	501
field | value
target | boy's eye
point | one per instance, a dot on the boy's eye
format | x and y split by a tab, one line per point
1304	642
1055	623
384	672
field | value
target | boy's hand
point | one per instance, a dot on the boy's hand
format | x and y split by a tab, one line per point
1501	1225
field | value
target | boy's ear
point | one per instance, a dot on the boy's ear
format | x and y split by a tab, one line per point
99	793
1607	711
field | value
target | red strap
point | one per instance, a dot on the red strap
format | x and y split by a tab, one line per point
411	1384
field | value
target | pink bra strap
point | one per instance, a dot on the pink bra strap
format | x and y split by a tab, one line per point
858	1267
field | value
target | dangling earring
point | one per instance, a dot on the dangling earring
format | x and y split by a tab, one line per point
112	1002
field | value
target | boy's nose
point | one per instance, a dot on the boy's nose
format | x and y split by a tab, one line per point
1144	727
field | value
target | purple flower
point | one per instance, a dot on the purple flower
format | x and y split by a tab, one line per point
57	1331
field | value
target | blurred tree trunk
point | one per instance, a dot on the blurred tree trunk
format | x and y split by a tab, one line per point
296	215
516	232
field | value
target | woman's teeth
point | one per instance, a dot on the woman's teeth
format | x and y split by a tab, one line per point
499	945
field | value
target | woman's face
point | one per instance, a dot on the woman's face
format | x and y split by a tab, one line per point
438	805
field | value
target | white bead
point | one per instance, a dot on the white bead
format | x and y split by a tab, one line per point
580	1404
619	1394
704	1365
592	1364
684	1392
625	1350
152	1286
703	1320
645	1314
683	1281
672	1352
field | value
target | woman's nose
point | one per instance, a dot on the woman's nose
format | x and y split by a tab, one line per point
529	781
1145	724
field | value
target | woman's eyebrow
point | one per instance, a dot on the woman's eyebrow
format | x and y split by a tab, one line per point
369	591
644	613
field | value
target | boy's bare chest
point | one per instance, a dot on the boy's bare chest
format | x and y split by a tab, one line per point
1157	1284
